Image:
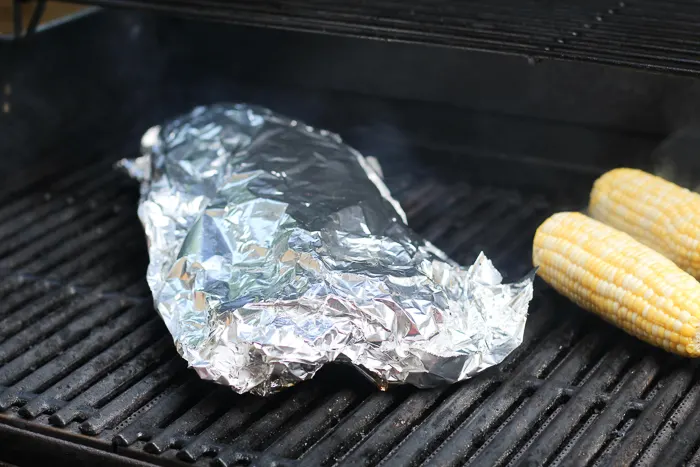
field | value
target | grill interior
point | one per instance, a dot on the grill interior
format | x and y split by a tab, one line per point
82	349
639	33
88	372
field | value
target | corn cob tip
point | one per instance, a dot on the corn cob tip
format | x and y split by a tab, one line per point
611	179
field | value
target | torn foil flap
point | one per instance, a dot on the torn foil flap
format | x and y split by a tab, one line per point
275	248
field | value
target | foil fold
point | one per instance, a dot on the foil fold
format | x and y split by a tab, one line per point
276	248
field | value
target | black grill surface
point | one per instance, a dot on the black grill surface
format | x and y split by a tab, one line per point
651	34
86	362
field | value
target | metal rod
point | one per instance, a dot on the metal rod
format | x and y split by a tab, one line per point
39	10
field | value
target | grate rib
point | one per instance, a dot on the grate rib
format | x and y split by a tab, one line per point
86	403
61	184
576	408
227	426
35	304
652	417
460	444
394	427
93	369
133	398
351	430
313	426
500	448
100	336
72	237
147	425
267	427
35	223
181	430
71	332
457	408
602	428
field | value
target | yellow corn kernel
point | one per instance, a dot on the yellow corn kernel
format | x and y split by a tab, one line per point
628	284
658	213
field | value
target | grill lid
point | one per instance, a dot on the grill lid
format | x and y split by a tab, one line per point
636	33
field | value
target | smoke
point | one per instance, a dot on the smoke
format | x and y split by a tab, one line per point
677	158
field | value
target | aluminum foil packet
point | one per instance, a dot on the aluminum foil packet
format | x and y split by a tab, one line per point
276	248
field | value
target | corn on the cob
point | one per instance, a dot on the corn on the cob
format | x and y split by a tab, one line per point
630	285
656	212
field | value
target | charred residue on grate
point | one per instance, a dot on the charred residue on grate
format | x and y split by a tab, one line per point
353	428
521	405
673	388
35	368
670	441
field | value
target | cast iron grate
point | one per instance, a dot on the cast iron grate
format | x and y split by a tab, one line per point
82	350
640	33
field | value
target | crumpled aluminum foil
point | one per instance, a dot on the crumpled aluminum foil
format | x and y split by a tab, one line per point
276	248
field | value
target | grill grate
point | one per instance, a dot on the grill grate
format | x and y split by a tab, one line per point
82	350
640	33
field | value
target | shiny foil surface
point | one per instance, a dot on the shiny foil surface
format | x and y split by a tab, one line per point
276	248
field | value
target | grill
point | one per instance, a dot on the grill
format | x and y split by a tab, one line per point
83	350
88	373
